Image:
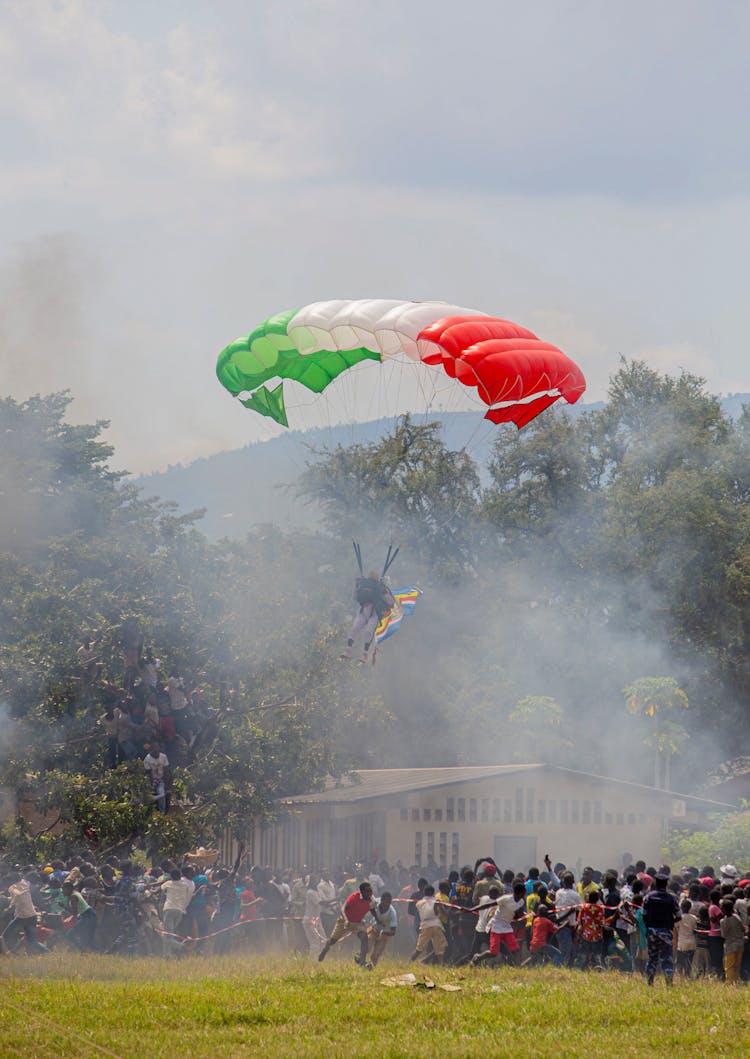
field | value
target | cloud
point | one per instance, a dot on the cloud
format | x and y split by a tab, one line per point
173	174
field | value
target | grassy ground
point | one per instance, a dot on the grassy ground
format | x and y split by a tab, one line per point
75	1006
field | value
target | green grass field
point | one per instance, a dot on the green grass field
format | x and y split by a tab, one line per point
70	1006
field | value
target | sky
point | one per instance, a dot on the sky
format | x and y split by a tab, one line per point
172	173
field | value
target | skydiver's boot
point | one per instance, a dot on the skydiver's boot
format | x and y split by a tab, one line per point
347	654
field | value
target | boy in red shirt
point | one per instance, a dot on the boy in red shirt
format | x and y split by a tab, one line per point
590	932
352	921
542	929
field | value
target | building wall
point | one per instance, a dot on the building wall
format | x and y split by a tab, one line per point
518	818
515	818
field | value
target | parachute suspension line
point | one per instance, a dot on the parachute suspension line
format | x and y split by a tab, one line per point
358	554
390	558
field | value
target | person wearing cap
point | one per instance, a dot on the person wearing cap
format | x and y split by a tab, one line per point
660	913
486	873
728	874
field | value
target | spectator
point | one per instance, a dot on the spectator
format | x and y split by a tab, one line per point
156	765
733	935
660	913
24	916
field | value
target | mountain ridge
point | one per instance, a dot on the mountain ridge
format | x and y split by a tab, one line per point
254	485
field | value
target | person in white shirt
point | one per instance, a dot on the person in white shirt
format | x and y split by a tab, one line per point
311	916
376	882
567	903
385	921
24	917
501	925
431	932
329	903
177	890
156	764
482	927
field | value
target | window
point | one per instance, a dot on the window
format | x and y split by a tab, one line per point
454	848
563	810
620	819
449	810
586	812
485	810
427	814
608	819
529	805
418	848
430	845
461	809
519	805
597	812
438	815
443	847
540	811
575	812
631	818
552	812
473	810
641	819
415	815
496	810
508	811
404	814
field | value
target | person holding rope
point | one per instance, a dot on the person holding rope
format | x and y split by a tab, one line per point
567	904
351	921
384	926
227	894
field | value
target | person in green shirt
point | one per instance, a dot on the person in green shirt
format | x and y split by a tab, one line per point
81	934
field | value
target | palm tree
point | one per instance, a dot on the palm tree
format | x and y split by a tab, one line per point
657	698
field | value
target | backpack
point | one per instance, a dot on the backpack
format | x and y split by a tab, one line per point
366	591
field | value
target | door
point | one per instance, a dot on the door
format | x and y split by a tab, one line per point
515	851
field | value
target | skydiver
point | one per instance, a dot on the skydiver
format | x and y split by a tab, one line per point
375	600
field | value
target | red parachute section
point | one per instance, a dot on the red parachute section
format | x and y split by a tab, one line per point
514	372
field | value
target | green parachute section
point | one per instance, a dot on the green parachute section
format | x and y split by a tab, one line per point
269	353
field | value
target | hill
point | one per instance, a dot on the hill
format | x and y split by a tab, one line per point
254	485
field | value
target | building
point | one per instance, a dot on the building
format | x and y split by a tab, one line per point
451	816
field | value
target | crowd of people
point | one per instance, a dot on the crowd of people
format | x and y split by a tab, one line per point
641	919
147	715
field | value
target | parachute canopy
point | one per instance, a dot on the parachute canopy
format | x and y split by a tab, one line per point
515	373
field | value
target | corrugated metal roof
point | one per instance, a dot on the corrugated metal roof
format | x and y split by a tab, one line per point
374	783
377	783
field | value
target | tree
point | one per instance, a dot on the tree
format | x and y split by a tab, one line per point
537	730
92	556
728	841
408	488
657	698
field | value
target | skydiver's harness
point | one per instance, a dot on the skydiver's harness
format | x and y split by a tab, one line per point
367	591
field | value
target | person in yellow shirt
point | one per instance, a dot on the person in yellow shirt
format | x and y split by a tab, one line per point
587	885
